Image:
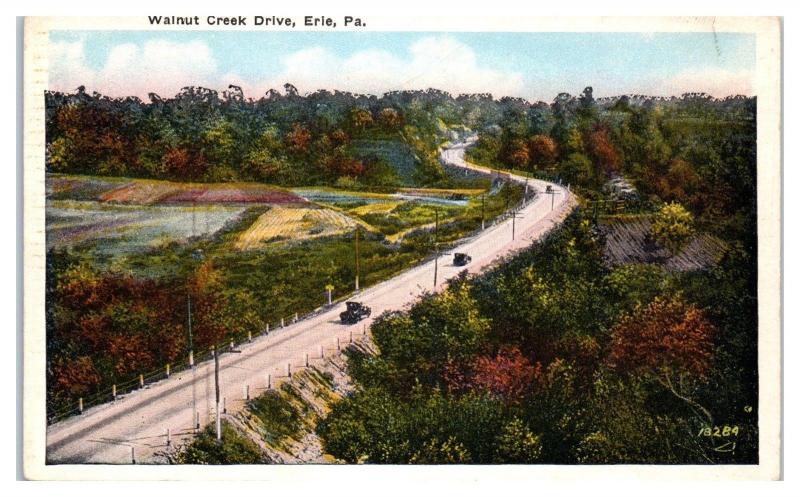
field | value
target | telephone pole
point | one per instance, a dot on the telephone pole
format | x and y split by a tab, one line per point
216	388
357	262
189	311
513	223
436	225
549	191
436	247
436	266
216	351
483	211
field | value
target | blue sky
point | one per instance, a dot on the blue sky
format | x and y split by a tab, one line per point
530	65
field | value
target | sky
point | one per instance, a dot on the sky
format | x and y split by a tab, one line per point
535	66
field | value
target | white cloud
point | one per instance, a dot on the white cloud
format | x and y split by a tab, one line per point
434	62
67	66
159	66
164	67
442	62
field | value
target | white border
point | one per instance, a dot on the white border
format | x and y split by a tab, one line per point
769	206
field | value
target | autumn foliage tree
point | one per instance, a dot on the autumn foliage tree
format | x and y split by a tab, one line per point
360	118
298	140
518	154
668	340
389	119
602	151
508	374
542	150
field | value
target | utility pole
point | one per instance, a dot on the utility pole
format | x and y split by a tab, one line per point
357	262
436	266
513	223
549	190
483	211
436	247
198	256
217	351
189	310
216	388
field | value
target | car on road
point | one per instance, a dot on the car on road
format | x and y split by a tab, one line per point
460	259
356	311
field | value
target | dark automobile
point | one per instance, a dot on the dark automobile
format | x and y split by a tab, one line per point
460	259
356	311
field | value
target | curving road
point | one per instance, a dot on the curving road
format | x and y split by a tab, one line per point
140	420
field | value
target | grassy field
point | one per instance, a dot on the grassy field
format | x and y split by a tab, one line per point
149	192
116	217
121	229
283	222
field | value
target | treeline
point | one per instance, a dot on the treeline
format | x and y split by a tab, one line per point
201	135
286	138
694	150
553	358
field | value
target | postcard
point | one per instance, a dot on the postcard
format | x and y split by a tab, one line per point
536	246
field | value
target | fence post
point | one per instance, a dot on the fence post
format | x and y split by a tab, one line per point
321	352
133	454
351	335
282	324
167	370
306	359
296	317
269	382
169	438
114	392
247	392
191	358
80	405
141	380
338	348
197	420
267	329
224	406
232	344
289	369
249	336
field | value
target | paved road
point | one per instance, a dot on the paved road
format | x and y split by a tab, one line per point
106	433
